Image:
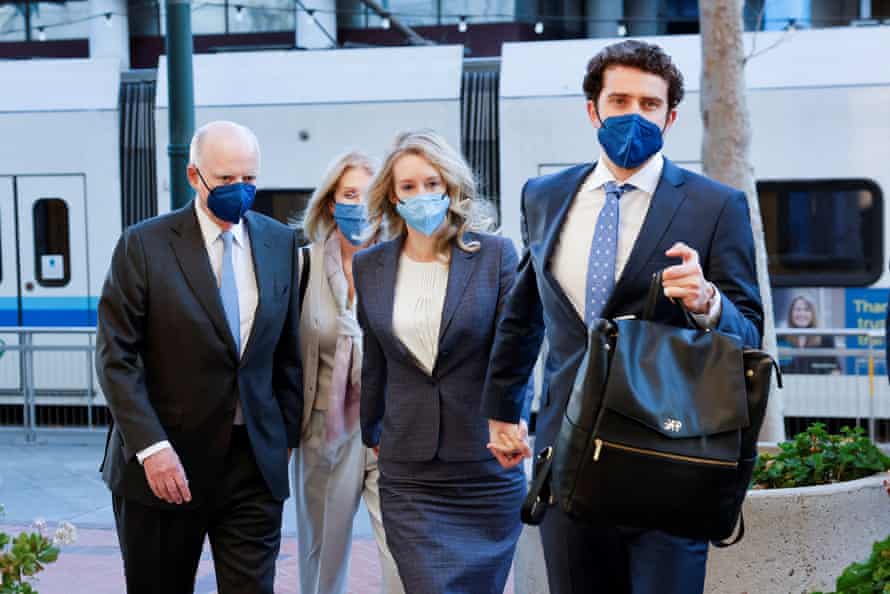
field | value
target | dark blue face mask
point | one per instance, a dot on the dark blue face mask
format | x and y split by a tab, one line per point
629	140
229	202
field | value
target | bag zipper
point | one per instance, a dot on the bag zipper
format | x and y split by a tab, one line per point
599	443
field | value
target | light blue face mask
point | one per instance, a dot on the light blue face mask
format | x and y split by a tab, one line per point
352	219
424	213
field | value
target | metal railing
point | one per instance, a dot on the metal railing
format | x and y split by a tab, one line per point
53	365
853	389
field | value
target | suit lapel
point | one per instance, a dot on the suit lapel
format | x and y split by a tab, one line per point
264	261
459	273
669	196
557	212
191	253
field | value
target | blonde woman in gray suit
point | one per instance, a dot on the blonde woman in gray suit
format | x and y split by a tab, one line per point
333	470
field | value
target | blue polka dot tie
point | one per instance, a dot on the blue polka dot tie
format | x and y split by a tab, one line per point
601	263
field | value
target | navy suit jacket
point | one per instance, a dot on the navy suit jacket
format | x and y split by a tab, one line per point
708	216
412	415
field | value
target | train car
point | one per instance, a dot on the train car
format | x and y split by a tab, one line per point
821	143
820	117
59	210
307	107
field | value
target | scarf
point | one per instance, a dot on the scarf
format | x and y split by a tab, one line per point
341	419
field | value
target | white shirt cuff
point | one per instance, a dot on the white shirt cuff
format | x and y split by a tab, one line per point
152	449
712	318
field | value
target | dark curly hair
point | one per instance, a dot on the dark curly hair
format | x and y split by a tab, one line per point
635	54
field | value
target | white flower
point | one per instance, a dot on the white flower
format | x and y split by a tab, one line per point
66	534
40	526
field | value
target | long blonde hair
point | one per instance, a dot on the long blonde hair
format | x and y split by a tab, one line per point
465	213
318	222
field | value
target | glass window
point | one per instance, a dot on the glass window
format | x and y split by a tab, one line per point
61	20
52	244
823	232
12	22
286	206
243	16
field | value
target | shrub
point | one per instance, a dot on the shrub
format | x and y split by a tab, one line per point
816	457
871	577
23	557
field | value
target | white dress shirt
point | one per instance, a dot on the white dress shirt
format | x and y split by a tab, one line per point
245	281
417	311
571	255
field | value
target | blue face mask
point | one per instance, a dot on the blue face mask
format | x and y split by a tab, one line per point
629	140
229	202
352	219
425	213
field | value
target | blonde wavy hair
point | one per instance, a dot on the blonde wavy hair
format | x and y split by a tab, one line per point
465	213
317	221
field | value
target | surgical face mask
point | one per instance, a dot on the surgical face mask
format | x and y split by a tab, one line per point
352	219
425	213
229	202
629	140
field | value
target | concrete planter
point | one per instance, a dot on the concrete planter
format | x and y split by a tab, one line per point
800	540
796	541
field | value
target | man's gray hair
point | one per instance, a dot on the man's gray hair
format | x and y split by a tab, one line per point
202	132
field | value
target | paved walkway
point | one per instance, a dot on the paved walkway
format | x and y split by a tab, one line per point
58	480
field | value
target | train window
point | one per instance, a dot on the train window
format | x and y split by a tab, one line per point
52	245
286	206
823	232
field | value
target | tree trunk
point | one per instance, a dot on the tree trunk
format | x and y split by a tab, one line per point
725	149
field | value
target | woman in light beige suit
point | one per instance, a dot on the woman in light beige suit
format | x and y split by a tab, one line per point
333	471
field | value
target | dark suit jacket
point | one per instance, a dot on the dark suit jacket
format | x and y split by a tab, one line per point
412	415
167	363
708	216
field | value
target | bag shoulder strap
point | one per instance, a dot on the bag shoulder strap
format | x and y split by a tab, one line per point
304	272
723	544
539	496
656	290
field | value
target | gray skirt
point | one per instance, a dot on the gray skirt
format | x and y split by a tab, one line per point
452	527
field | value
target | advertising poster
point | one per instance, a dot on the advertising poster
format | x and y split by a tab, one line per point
831	309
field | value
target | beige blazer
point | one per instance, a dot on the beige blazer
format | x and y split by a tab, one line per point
317	293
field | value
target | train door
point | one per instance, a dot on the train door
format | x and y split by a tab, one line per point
53	279
53	251
9	289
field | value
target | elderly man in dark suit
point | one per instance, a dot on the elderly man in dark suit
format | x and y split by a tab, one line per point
198	357
596	233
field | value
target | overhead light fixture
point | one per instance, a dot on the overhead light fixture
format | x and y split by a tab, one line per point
41	34
239	13
385	24
622	30
792	25
108	18
462	24
539	28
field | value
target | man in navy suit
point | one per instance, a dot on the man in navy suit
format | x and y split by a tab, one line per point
595	235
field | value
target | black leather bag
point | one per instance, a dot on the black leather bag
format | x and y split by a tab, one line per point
660	431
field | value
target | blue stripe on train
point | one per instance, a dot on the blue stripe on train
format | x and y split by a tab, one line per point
49	311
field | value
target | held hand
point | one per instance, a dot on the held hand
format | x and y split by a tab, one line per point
508	442
166	477
686	282
376	449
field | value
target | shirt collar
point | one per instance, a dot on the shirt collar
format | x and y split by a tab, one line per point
210	231
646	179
